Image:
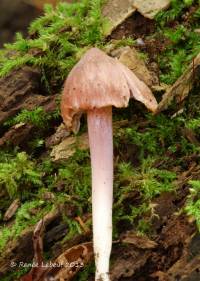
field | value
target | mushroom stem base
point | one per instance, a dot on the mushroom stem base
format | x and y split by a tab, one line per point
101	150
102	277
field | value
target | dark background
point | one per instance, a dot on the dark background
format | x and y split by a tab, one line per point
15	16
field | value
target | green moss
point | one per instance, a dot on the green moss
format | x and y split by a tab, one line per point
15	275
147	179
80	184
18	174
175	11
57	40
161	132
24	218
86	272
147	182
182	42
192	207
74	175
185	44
37	117
135	186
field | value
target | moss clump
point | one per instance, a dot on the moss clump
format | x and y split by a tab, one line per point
181	41
24	218
15	275
18	174
37	117
161	132
193	203
57	40
176	10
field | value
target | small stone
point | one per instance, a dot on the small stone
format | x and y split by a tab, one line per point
140	42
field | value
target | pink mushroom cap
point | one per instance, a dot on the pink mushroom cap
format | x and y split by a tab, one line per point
97	81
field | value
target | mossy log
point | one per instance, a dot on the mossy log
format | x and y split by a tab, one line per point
19	90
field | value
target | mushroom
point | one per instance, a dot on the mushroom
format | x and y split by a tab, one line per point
94	85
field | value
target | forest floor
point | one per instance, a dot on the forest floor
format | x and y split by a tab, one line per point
45	170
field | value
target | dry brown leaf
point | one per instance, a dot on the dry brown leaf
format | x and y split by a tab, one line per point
117	11
130	58
68	147
149	8
64	267
70	262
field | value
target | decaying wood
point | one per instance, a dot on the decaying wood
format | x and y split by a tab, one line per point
21	249
69	262
56	233
19	90
187	269
64	267
188	266
38	242
22	94
11	210
139	241
177	239
16	135
37	269
129	260
60	134
182	254
181	88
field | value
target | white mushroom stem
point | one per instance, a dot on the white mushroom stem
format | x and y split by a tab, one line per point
101	150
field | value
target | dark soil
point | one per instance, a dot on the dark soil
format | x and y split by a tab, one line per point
136	26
